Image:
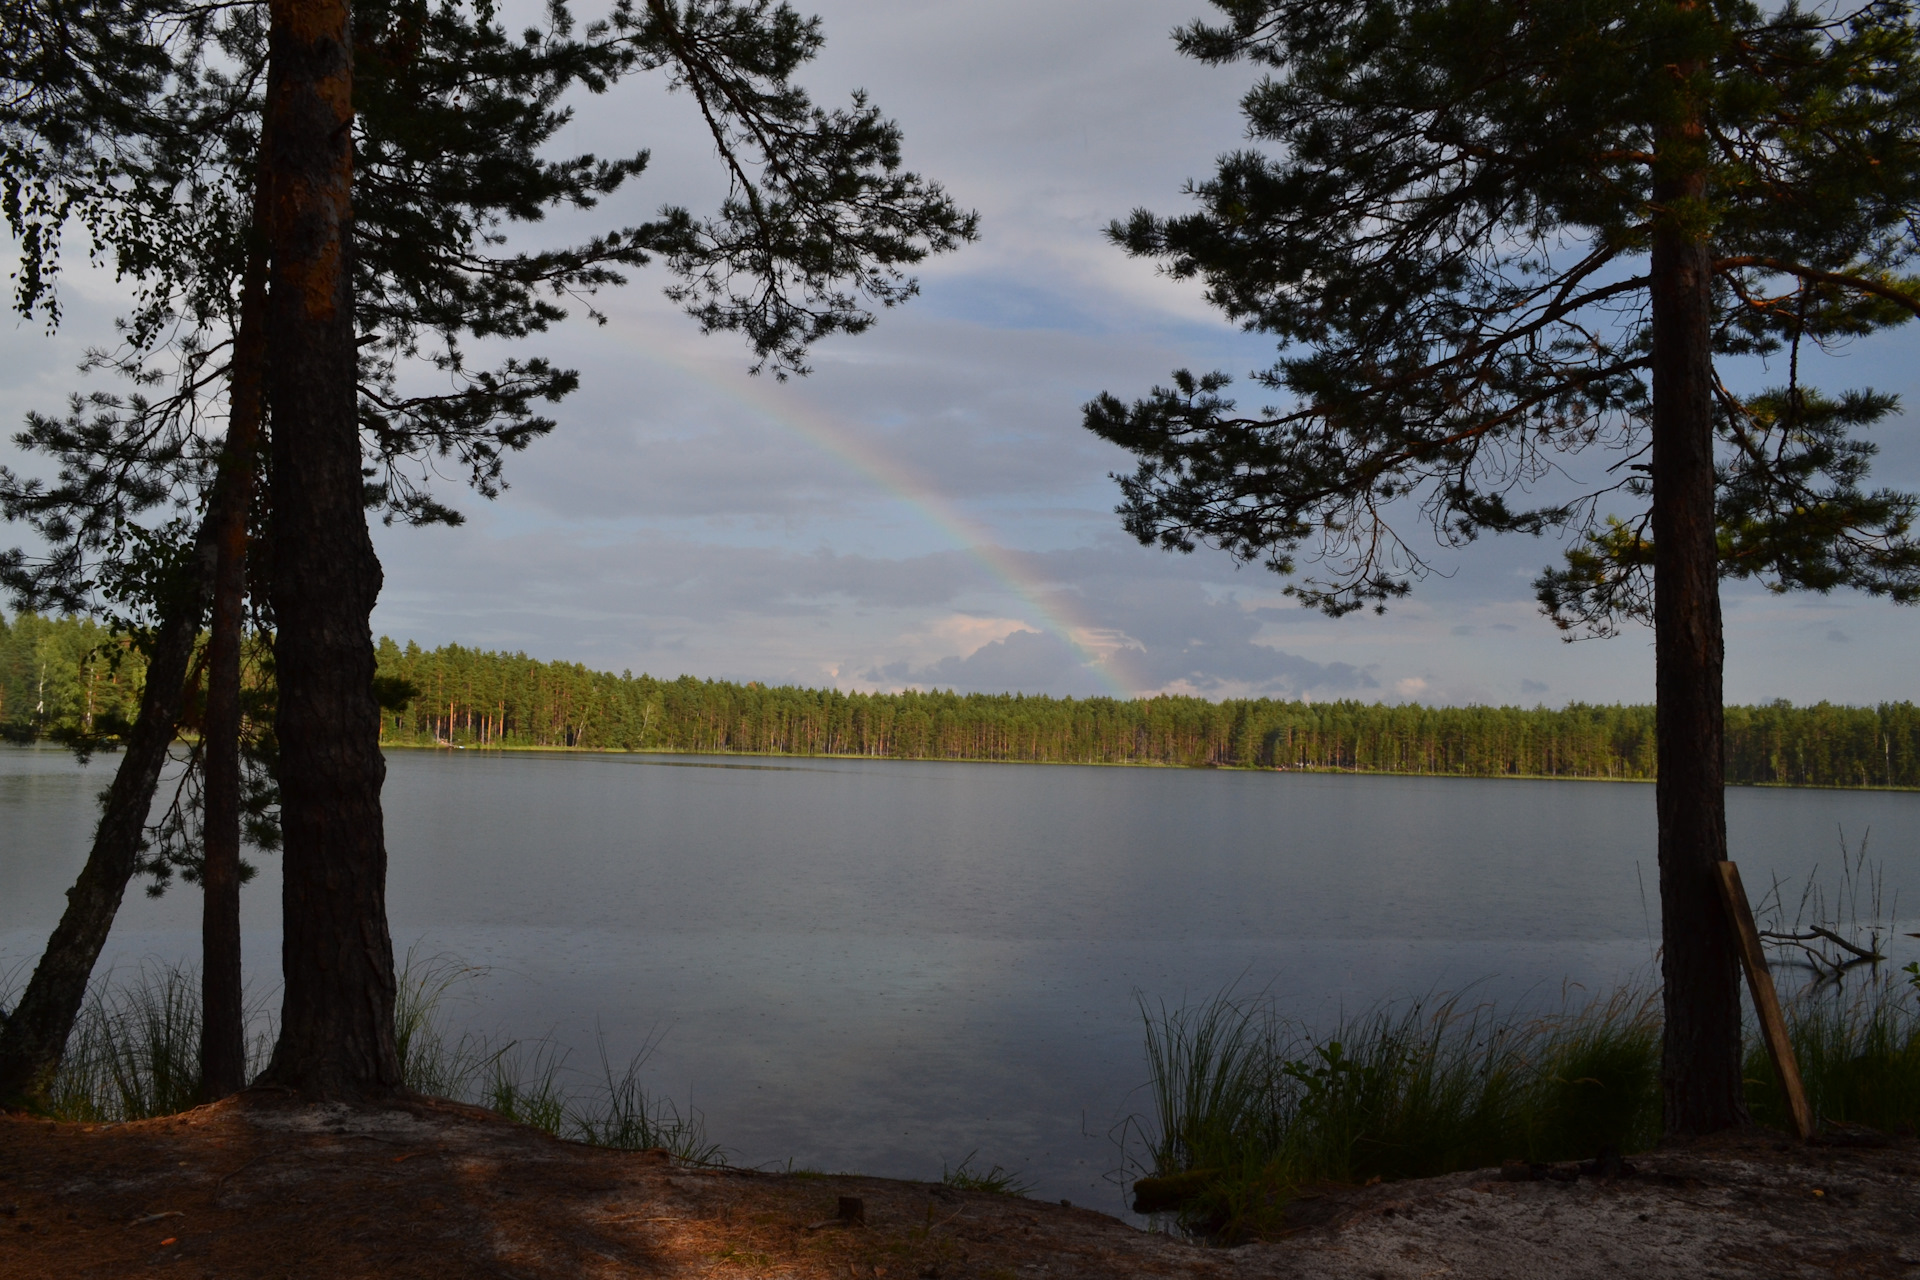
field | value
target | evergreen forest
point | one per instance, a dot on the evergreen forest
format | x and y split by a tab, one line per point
66	677
69	678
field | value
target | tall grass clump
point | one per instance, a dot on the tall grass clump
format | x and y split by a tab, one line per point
996	1179
1854	1022
134	1052
1249	1109
624	1115
1858	1052
433	1061
526	1080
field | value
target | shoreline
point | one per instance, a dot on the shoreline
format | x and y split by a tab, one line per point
416	1189
1325	770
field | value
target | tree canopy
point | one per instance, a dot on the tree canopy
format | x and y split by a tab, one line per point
146	135
313	207
1521	261
1445	223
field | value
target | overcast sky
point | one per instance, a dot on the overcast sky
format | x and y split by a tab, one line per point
925	509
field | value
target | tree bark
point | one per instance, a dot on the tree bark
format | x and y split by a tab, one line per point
1700	1063
336	1030
223	1037
35	1033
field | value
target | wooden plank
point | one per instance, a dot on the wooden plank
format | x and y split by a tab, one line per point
1766	1002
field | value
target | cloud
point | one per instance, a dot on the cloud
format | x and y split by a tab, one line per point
925	507
1025	660
995	619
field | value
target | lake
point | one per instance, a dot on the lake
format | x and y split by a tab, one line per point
885	966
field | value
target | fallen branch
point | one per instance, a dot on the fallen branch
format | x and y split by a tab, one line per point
1815	931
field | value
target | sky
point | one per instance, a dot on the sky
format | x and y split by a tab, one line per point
925	509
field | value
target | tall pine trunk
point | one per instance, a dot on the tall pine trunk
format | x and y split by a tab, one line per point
35	1033
223	1040
1700	1060
336	1030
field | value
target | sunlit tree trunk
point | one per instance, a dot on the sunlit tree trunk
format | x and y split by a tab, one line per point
336	1031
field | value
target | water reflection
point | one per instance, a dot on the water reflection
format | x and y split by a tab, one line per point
885	966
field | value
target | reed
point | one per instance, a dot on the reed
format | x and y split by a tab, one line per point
626	1116
966	1176
1858	1052
1251	1110
526	1080
135	1053
135	1048
433	1060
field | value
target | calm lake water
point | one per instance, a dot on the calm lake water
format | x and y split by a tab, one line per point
885	966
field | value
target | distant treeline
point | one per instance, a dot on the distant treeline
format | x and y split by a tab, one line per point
63	676
475	698
58	677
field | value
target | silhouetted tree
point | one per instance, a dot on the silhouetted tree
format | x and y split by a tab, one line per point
453	115
1490	234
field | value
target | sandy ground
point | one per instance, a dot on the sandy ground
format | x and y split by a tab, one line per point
258	1187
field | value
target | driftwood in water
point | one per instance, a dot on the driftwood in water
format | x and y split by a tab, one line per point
1815	933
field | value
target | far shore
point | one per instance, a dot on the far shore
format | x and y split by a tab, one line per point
1322	770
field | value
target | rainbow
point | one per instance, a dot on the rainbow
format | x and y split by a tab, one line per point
831	437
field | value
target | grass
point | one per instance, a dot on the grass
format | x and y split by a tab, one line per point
1250	1110
631	1119
1858	1052
965	1177
135	1053
526	1080
135	1049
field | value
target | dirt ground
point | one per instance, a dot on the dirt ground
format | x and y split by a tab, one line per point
259	1187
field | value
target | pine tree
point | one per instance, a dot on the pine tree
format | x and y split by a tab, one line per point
451	121
1491	234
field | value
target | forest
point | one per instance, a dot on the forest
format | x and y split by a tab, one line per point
64	678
